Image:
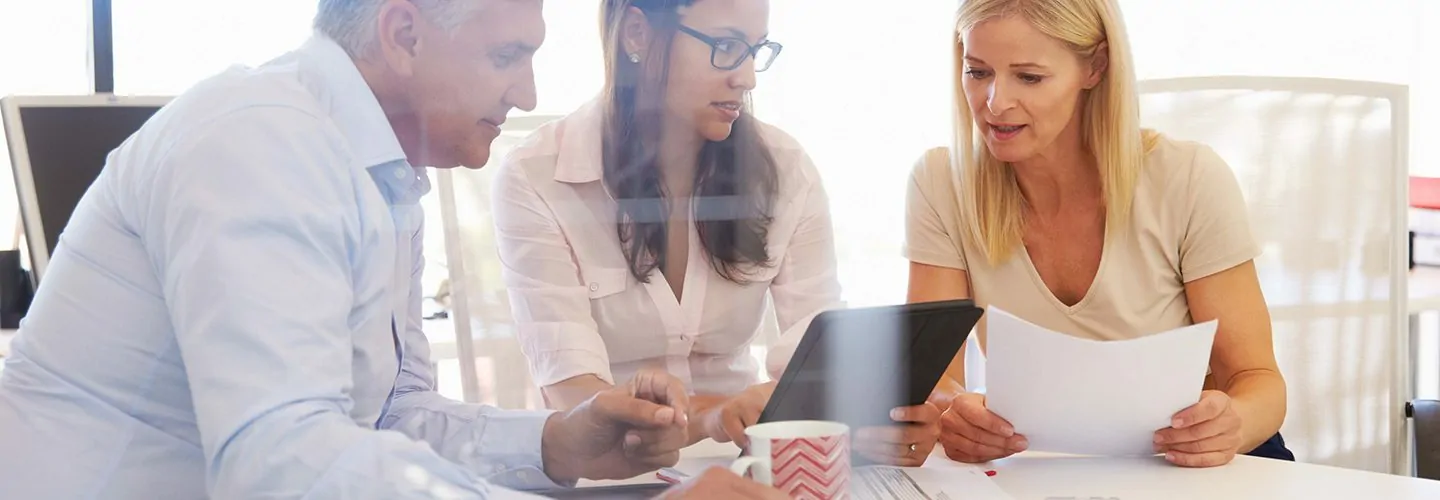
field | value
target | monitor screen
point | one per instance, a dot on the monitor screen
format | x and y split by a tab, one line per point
65	147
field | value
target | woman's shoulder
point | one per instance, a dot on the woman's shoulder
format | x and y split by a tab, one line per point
570	143
933	163
793	162
1184	180
775	138
1181	163
550	137
932	173
1177	156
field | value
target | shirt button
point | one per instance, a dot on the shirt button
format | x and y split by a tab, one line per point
524	476
400	173
594	287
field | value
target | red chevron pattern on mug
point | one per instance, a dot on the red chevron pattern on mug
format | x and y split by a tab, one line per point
815	468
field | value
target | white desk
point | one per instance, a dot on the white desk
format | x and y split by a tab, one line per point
1033	476
1040	477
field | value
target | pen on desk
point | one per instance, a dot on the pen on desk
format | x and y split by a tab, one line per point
990	473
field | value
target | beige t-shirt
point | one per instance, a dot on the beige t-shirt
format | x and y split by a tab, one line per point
1189	221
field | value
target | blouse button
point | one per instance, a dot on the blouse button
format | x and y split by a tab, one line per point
594	287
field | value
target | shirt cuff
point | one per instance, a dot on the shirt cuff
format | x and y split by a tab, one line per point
553	367
560	351
1223	263
523	432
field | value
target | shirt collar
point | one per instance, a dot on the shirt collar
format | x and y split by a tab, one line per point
400	183
579	160
331	75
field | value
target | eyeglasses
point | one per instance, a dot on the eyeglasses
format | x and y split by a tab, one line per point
727	53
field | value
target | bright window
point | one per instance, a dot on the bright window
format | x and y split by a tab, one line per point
865	103
1375	40
162	47
44	48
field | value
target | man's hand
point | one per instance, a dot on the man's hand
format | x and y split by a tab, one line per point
718	483
619	433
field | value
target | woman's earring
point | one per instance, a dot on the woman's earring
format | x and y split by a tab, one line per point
635	58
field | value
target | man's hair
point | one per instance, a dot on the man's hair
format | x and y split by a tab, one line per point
352	23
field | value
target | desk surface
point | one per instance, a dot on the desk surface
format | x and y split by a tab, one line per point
1032	476
1041	477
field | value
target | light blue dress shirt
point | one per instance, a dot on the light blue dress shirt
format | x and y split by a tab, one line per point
234	312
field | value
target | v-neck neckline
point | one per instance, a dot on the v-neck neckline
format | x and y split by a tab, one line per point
681	313
1089	291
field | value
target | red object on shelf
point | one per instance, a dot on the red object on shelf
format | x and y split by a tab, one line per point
1425	192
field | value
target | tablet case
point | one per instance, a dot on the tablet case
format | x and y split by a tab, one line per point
855	365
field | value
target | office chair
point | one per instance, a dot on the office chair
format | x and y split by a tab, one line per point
1425	415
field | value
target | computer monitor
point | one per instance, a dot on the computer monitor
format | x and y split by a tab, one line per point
58	145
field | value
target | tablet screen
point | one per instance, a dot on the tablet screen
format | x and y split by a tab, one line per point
855	365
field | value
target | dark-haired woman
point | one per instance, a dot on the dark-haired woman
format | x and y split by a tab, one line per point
647	228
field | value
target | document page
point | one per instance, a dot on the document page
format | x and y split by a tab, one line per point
1071	395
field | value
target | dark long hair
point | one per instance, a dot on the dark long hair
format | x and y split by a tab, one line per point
736	181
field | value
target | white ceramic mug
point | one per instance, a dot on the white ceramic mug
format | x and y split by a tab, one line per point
806	459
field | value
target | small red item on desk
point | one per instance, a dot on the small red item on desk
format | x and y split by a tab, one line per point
990	473
671	475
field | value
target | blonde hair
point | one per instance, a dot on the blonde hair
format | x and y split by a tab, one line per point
990	199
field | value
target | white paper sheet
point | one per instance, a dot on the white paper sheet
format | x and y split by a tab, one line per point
896	483
1071	395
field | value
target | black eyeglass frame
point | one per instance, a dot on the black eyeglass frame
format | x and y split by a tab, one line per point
750	50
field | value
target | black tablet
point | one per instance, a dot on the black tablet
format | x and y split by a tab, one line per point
855	365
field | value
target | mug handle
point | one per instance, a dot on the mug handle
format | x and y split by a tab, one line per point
743	465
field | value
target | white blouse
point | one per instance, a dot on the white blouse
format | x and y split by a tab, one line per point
579	311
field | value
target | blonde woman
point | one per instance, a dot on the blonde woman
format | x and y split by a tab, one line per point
1055	205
